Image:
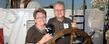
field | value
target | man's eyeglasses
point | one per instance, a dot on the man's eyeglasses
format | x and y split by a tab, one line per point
59	10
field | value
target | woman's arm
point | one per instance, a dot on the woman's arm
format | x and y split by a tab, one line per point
44	39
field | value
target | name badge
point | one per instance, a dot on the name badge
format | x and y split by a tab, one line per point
66	25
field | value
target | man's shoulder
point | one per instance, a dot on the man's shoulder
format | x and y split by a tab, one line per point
67	19
52	19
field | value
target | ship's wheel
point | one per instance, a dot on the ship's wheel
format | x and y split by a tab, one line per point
75	34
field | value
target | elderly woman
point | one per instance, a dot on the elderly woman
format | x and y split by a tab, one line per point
37	34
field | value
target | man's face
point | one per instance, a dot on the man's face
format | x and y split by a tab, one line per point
40	18
59	10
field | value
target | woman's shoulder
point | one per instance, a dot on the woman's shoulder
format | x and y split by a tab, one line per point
32	28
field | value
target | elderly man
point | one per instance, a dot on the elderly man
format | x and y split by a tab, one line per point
60	22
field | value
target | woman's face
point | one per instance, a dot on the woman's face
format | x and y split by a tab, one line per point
40	18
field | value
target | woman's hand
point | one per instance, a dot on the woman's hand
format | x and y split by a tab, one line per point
45	38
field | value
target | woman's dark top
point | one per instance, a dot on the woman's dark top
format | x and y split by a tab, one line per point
34	35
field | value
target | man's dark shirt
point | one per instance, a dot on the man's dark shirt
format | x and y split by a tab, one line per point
33	35
58	26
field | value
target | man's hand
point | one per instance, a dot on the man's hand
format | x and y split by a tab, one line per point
73	23
45	38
